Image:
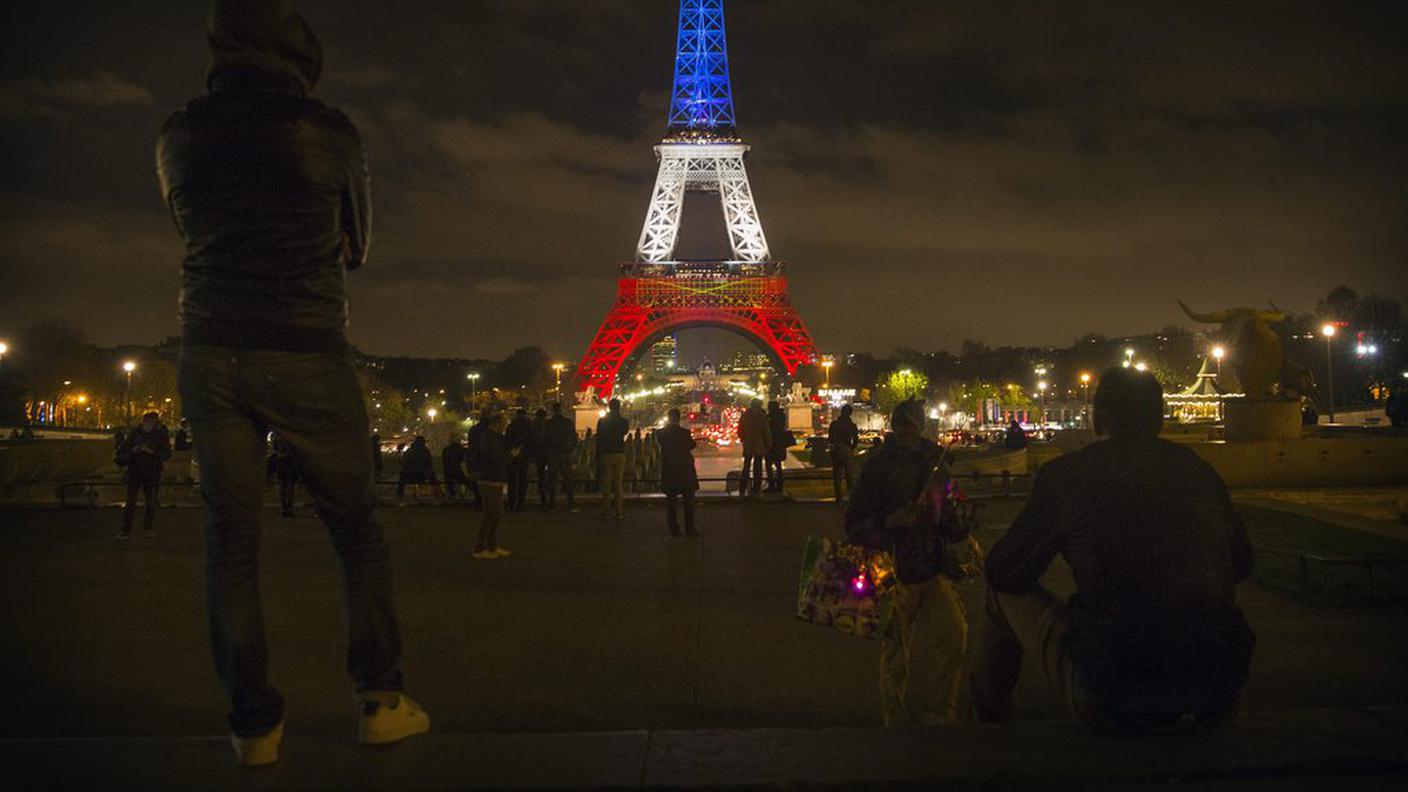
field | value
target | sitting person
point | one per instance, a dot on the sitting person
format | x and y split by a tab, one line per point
1152	642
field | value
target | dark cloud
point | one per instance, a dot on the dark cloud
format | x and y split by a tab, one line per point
1016	172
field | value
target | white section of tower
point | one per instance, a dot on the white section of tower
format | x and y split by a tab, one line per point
701	167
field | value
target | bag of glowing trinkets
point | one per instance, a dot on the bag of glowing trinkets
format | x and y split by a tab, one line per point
846	587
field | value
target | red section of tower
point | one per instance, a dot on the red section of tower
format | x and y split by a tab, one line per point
753	302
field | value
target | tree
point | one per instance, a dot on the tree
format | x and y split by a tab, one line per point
1341	304
900	386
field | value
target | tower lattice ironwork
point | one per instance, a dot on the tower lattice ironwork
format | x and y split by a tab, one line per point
701	152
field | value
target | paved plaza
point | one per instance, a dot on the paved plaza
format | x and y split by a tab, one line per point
589	626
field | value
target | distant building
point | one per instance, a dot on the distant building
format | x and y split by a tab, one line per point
664	356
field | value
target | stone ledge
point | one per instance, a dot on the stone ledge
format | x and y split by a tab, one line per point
1310	747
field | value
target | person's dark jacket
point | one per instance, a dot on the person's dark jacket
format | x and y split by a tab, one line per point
611	433
475	435
144	466
520	435
493	457
270	191
285	463
677	473
538	451
894	476
452	461
841	437
559	436
779	436
1156	548
416	463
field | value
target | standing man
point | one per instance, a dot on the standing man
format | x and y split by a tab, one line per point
142	455
678	478
755	437
519	440
269	190
841	439
611	458
560	446
921	658
494	461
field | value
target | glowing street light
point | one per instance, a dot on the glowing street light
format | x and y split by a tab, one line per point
129	367
826	367
1085	392
473	378
4	347
432	412
1328	330
1141	366
557	379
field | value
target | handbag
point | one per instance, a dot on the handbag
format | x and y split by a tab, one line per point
846	587
960	555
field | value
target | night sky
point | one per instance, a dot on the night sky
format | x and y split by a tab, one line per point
1018	173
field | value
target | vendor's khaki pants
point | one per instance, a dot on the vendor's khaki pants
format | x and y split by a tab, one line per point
922	656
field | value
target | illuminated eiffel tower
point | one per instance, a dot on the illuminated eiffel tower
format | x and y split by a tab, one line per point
701	152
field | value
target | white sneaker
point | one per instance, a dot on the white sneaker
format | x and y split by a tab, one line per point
502	552
484	555
260	750
388	717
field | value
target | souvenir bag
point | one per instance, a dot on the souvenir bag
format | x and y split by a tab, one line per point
846	587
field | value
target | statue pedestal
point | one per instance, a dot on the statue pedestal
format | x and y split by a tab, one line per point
585	417
1277	419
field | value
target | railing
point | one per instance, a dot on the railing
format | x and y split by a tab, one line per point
1367	589
84	493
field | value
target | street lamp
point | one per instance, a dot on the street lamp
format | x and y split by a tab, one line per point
557	380
1141	366
1085	392
129	367
1328	330
432	412
826	367
4	347
1217	354
473	378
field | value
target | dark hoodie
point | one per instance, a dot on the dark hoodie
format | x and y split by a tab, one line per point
267	187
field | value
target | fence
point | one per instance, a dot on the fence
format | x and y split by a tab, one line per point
1330	581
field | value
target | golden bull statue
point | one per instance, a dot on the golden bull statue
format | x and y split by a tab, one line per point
1255	352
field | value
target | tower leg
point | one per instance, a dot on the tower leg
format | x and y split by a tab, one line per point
662	220
619	335
745	230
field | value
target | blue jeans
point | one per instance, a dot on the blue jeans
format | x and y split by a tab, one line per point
233	398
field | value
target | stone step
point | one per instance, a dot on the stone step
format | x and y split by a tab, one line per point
1300	749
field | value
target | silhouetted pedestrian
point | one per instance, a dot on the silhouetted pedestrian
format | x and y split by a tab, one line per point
269	190
519	438
780	439
494	460
417	466
538	454
1016	437
1153	640
921	657
754	436
841	439
142	455
452	467
678	478
560	448
611	458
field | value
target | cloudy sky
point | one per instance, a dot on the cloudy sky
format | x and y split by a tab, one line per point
931	171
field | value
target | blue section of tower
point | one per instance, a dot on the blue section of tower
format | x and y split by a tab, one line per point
702	97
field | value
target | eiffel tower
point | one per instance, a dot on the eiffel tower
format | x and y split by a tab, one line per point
656	294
